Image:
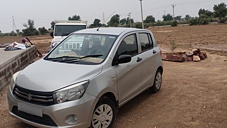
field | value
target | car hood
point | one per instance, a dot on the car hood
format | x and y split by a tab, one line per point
47	76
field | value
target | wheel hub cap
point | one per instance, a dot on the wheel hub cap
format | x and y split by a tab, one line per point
102	116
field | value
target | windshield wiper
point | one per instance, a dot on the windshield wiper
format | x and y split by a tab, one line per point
90	56
63	58
71	59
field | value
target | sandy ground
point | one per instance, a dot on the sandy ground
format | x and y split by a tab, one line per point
193	94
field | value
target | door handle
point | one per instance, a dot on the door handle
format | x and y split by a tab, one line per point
139	59
154	51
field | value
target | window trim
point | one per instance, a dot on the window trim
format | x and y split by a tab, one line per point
136	39
149	39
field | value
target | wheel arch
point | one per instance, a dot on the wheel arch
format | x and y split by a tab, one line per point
160	68
112	97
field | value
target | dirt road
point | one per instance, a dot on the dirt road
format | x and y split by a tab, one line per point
193	94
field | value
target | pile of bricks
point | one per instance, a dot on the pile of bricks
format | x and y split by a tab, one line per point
195	56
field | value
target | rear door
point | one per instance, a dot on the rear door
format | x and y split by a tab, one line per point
129	75
150	54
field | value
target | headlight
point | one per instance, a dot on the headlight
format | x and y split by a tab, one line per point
13	81
72	92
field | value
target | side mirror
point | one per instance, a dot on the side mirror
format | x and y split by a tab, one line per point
52	34
122	59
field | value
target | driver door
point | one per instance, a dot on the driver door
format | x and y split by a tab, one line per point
129	75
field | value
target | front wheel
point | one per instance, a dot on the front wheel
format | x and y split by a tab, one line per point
157	82
104	113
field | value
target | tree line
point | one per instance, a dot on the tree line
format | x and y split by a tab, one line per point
219	14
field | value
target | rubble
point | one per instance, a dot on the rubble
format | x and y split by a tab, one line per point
196	56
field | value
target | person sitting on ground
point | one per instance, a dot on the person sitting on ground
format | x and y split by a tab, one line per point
26	43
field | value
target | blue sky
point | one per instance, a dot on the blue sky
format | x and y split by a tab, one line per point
45	11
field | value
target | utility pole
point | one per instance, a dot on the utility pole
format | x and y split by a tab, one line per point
141	13
173	5
129	17
103	19
14	25
119	21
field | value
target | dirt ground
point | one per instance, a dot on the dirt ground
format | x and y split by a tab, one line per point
193	94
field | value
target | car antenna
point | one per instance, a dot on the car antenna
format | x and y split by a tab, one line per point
98	28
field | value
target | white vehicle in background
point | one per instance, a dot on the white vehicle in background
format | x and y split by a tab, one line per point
63	28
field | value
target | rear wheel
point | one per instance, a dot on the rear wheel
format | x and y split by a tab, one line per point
104	113
157	82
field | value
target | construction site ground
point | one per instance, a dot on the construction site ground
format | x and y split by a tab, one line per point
193	94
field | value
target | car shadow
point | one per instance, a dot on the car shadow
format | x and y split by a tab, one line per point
132	105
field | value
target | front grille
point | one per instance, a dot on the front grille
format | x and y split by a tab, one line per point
45	120
35	97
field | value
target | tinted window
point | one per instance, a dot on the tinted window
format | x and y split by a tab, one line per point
145	40
64	30
128	46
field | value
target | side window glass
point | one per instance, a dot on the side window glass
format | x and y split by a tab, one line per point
145	41
128	46
151	40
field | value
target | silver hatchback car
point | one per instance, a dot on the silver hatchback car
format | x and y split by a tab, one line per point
86	78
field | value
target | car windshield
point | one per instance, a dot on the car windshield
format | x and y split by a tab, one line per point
83	49
64	30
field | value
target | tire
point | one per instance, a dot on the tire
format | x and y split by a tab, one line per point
157	82
104	113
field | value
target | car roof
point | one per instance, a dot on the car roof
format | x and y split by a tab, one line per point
70	24
108	30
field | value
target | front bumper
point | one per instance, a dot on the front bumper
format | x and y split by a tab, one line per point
69	114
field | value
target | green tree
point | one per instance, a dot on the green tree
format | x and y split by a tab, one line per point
130	20
187	17
12	33
1	34
18	31
159	23
149	19
167	17
202	20
123	21
174	23
75	17
178	18
30	29
43	31
205	12
114	21
138	25
220	11
96	23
